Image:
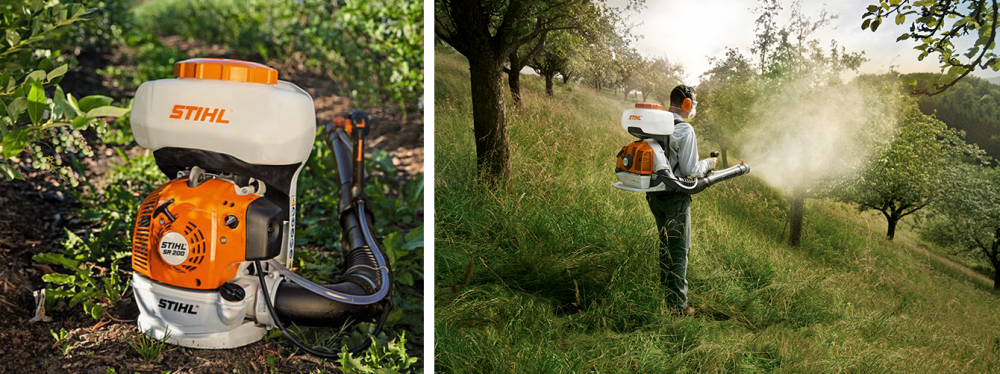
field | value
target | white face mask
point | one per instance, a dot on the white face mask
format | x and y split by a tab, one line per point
694	109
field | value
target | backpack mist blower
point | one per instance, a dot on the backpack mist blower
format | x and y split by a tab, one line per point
212	247
642	166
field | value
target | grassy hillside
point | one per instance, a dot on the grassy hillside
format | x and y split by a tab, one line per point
565	271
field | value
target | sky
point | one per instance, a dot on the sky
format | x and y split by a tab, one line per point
691	31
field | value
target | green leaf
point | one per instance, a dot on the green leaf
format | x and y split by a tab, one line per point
63	108
15	142
413	245
57	72
873	8
16	107
56	259
902	37
80	122
107	111
911	81
38	75
57	278
13	37
46	65
875	24
900	18
9	172
37	103
864	25
93	101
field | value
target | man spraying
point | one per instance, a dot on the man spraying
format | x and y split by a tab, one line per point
672	209
664	165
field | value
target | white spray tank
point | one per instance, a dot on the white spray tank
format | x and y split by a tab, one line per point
235	108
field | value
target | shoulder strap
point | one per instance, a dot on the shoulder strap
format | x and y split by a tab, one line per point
673	167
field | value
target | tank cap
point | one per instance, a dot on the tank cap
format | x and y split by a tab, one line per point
648	106
225	69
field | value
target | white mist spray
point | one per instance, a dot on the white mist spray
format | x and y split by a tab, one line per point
810	136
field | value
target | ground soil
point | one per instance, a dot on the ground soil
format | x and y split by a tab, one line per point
35	213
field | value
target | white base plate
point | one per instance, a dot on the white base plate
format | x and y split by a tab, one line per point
247	333
622	186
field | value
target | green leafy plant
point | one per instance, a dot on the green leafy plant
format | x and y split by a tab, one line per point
95	287
30	115
149	348
388	358
62	341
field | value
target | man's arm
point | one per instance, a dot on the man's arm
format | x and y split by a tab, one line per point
687	157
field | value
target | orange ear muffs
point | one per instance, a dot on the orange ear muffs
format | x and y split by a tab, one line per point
686	105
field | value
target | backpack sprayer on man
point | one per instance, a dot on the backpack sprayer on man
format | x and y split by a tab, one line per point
663	164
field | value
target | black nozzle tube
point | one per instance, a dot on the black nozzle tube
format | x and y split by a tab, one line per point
360	121
341	146
697	185
365	285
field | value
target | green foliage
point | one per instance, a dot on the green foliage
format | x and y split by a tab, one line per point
148	348
62	341
389	358
728	92
29	115
910	172
972	213
972	105
95	287
95	279
375	48
152	61
935	26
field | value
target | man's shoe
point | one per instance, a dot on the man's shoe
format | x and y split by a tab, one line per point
689	311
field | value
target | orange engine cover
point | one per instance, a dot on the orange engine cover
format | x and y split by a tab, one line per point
636	158
181	237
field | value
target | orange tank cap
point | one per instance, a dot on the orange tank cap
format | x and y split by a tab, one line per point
648	106
225	69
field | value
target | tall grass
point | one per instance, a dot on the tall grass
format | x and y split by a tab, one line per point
565	267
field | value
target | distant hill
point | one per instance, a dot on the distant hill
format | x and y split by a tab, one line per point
972	105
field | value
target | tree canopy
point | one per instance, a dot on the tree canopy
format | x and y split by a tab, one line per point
935	27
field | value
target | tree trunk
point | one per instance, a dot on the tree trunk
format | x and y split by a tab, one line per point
996	277
891	232
565	78
489	120
548	84
514	81
725	158
644	95
626	93
798	202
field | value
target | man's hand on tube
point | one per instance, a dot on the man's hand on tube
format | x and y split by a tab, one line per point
712	161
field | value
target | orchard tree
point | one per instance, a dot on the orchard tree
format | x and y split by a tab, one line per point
555	57
628	64
910	173
517	60
728	92
935	26
797	69
486	32
972	215
665	75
